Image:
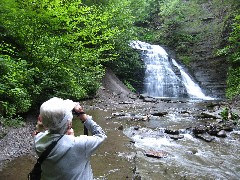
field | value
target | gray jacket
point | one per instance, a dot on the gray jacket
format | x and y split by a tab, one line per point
70	157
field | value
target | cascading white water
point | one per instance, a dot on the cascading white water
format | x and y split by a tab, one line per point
160	78
192	88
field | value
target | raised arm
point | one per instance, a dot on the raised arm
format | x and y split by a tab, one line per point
98	135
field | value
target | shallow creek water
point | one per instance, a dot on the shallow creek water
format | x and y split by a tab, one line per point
122	155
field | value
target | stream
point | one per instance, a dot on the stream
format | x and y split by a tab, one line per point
186	158
123	154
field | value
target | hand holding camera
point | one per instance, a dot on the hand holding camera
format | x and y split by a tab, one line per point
78	110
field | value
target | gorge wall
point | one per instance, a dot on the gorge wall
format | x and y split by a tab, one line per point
206	29
210	70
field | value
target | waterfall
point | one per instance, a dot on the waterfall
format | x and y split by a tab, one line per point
164	77
193	89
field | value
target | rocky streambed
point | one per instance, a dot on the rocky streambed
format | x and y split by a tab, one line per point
183	139
147	138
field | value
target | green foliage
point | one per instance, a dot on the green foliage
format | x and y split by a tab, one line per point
12	122
232	49
127	63
64	45
129	67
174	9
16	85
185	59
232	52
175	27
58	48
226	112
233	82
129	86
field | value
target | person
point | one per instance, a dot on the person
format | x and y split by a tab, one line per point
69	159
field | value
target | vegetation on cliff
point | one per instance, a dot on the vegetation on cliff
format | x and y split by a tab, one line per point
232	52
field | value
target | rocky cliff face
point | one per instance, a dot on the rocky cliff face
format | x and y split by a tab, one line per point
207	28
209	70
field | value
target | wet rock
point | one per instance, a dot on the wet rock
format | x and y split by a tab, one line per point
136	128
214	132
140	117
206	137
117	114
172	132
222	133
213	129
142	96
235	136
156	154
185	131
137	177
228	126
199	129
192	151
159	114
166	100
219	120
149	100
184	112
213	105
176	137
132	96
207	18
120	128
208	115
126	102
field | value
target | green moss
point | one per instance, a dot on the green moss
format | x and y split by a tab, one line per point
185	59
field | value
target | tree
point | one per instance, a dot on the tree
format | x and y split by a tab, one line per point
63	42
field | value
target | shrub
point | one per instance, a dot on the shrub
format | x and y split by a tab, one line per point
15	85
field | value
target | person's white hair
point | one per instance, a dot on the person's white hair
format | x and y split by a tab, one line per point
55	114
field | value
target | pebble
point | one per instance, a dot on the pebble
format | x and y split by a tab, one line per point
15	143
